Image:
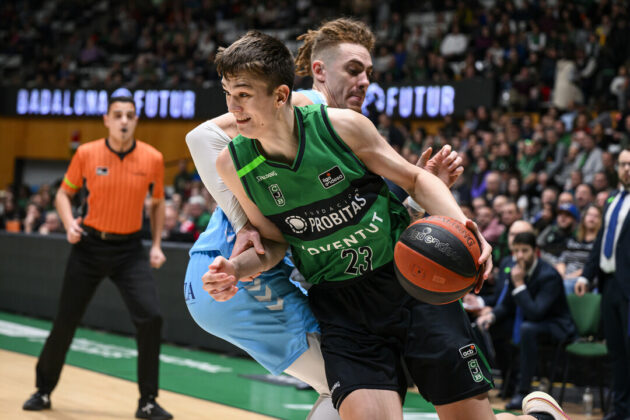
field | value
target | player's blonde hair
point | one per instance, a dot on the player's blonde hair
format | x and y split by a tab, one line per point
328	35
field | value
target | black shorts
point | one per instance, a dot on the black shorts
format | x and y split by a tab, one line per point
370	325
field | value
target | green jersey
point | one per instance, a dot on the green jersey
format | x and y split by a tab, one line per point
339	218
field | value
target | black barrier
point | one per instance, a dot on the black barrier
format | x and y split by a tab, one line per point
31	273
421	100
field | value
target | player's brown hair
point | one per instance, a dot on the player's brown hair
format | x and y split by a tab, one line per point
328	35
259	54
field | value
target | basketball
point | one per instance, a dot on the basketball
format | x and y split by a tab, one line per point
436	260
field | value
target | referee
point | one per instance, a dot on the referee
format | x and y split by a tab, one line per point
117	173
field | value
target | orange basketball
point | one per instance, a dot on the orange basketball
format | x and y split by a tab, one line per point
435	260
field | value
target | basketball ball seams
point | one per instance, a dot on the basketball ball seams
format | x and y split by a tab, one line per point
428	296
421	269
436	260
446	249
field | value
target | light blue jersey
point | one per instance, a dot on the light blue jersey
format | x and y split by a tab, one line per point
268	318
315	96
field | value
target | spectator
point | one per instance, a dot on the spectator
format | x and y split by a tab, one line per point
52	224
198	215
589	160
552	241
391	133
584	196
509	214
33	219
454	43
574	256
489	224
536	301
172	227
181	182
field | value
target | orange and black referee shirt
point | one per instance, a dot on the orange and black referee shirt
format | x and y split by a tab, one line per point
117	183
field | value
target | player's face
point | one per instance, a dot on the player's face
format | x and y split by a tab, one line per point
524	255
347	76
248	99
121	121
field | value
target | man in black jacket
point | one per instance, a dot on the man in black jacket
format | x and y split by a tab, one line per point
609	261
536	300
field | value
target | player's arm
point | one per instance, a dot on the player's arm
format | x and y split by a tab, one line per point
267	229
222	275
379	157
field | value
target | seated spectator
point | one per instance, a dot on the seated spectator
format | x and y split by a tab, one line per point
454	44
33	219
536	301
198	216
565	197
600	182
584	196
553	240
489	224
545	217
601	198
52	223
173	228
589	160
509	214
575	255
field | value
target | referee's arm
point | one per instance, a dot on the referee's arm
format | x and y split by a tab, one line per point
156	215
64	208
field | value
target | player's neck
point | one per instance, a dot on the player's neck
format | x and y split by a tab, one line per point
280	141
120	145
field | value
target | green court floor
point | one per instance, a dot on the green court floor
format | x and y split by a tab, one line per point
199	374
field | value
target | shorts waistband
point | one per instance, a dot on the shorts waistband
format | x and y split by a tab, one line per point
106	236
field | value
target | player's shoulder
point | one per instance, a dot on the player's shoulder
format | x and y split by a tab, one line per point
149	151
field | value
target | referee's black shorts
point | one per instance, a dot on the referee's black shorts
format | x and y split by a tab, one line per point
368	324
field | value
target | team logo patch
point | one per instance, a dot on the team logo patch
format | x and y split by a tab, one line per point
331	177
277	195
468	351
297	224
102	170
475	370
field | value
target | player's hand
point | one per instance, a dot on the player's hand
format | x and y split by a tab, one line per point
446	164
246	238
75	231
220	280
156	256
580	288
485	262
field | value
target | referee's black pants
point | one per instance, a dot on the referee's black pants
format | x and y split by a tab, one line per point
126	263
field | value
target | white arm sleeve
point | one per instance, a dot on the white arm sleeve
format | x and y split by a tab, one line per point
205	143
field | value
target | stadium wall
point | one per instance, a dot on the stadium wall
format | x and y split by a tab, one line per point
49	138
31	274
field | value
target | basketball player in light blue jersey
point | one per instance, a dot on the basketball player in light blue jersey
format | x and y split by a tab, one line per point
269	318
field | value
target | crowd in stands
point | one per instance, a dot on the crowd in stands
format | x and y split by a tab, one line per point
558	52
189	207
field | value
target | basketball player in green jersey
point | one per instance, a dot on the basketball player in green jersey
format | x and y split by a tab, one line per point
311	177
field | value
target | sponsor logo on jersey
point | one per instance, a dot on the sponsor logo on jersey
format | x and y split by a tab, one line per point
297	224
475	370
102	170
266	176
277	195
468	351
331	177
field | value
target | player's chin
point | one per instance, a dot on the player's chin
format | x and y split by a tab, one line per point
354	105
